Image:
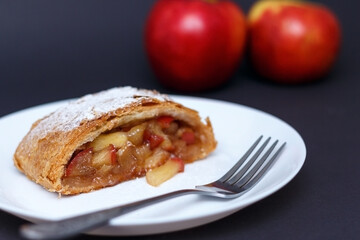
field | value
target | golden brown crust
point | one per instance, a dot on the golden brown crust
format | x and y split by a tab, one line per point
44	152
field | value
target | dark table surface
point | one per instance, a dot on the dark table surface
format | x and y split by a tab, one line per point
53	50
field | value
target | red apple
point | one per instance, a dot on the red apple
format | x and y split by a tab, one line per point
194	44
292	41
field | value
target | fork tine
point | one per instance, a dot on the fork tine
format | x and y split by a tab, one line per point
240	162
262	172
244	169
251	173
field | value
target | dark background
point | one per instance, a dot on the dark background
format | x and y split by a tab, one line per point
54	50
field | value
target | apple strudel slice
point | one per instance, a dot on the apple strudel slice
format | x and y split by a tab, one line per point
112	136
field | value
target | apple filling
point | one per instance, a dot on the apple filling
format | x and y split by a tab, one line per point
157	148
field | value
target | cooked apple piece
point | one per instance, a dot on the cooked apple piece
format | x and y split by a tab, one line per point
173	127
118	139
105	169
106	156
135	134
143	152
165	121
127	158
188	136
80	164
152	139
157	158
170	168
167	144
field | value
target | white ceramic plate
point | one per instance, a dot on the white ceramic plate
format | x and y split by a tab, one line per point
235	126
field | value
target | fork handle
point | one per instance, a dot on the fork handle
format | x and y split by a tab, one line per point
75	225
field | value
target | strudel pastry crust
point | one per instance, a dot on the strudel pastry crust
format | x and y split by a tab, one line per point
44	153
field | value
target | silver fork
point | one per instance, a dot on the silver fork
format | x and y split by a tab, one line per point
238	180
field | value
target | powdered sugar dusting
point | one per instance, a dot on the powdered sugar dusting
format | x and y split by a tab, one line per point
93	106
